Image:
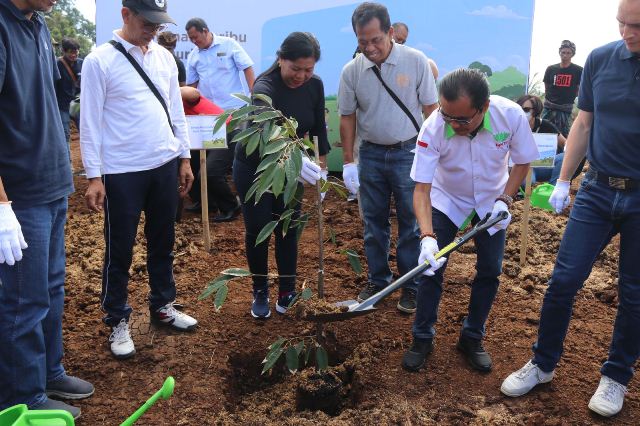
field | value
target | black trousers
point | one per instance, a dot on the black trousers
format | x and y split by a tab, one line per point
256	216
127	195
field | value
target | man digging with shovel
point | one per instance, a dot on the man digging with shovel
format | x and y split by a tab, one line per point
460	169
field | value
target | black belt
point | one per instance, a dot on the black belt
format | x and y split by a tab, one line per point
613	182
398	145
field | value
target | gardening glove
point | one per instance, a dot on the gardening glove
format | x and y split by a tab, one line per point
499	206
560	198
11	239
324	174
310	171
350	177
428	250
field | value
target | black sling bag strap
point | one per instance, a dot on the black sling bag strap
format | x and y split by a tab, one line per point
395	97
145	77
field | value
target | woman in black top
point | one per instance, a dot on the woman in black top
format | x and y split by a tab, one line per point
297	93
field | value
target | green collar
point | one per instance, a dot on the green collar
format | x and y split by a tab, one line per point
486	124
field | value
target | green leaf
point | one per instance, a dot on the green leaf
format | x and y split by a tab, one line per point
290	169
354	260
252	190
267	161
292	360
339	189
271	359
247	109
290	191
276	146
222	119
302	222
243	134
285	218
287	213
266	231
278	181
308	144
267	115
332	236
266	180
263	98
296	155
299	347
237	272
221	296
278	343
252	143
241	96
277	130
306	294
214	286
322	359
307	354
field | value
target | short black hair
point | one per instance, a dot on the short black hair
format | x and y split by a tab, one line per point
198	23
535	102
467	82
397	25
366	11
69	44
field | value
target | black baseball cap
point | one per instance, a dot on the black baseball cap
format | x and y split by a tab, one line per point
154	11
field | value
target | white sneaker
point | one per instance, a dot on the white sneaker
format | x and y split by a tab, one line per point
608	399
121	343
522	381
169	315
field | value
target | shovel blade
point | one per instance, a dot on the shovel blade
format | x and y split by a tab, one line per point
341	316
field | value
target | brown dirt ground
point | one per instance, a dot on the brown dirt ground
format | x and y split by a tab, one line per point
217	368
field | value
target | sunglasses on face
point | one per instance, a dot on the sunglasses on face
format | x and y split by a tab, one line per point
458	120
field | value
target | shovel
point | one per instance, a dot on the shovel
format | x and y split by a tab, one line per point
356	309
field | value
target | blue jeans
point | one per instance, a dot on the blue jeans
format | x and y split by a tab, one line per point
66	119
490	251
31	301
384	172
599	213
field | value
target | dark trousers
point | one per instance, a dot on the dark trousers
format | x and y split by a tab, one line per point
256	216
127	195
490	251
219	164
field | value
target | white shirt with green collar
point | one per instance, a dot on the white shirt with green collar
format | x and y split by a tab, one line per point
467	173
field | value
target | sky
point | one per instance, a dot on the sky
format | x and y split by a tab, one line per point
588	23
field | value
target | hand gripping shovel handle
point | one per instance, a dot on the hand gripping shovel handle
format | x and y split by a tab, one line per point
454	245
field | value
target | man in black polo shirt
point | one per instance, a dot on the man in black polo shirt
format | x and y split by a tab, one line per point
607	129
561	84
68	86
35	181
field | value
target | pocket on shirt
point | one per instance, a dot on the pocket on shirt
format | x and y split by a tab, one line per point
225	62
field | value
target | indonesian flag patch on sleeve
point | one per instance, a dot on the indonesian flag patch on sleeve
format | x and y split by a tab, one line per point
423	144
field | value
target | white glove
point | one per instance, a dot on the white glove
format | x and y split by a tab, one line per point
500	206
310	171
560	198
324	174
428	250
350	177
11	240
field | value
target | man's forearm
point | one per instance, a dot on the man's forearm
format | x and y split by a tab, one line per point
517	175
576	145
422	206
347	136
250	77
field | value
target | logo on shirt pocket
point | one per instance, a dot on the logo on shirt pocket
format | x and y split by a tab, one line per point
502	139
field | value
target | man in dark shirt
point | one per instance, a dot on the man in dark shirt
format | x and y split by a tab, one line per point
168	40
35	181
561	84
68	86
607	129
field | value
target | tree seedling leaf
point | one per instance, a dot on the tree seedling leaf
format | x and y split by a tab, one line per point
275	146
264	98
271	359
214	286
292	359
221	296
278	343
264	116
252	143
302	222
241	96
339	189
299	347
322	359
237	272
278	181
221	121
266	231
354	260
306	294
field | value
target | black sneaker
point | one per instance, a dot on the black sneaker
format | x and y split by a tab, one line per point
284	301
407	302
413	359
69	387
369	290
475	354
54	404
260	306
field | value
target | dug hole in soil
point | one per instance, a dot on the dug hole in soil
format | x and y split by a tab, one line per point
217	368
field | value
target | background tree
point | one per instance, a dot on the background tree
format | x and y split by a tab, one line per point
67	21
482	67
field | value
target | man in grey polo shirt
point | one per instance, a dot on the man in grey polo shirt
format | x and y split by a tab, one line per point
388	140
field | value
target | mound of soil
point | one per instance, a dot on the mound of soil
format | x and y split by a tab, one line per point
218	367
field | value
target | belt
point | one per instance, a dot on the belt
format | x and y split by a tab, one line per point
613	182
398	145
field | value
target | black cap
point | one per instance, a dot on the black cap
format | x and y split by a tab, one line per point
154	11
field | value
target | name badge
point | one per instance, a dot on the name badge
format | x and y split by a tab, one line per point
221	54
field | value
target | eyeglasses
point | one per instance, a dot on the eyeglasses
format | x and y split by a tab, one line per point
151	27
457	120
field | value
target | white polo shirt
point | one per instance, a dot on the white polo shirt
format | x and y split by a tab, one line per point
469	174
217	70
123	127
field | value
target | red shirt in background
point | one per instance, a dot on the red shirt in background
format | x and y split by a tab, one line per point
203	107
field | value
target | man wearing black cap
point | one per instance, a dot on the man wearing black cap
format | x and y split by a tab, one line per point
561	84
135	150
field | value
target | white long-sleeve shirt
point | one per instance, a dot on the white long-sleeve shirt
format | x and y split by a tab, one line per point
123	127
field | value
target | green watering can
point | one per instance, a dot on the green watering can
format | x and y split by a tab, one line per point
540	196
20	415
